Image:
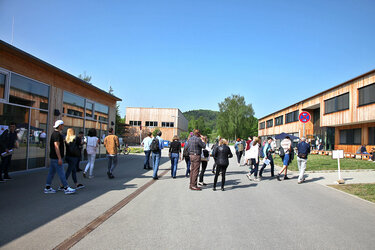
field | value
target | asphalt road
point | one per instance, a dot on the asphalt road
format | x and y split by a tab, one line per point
167	215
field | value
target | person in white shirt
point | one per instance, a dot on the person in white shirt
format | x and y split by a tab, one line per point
254	158
92	144
286	144
146	148
205	157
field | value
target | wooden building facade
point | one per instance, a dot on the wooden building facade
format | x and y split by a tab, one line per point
342	117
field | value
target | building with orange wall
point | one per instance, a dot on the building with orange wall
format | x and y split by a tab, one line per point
342	117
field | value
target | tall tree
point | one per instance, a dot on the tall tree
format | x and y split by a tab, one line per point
85	77
236	118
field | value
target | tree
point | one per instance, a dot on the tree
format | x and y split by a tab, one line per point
155	132
184	136
110	91
120	122
236	118
85	77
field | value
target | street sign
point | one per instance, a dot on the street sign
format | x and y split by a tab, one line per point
304	117
337	154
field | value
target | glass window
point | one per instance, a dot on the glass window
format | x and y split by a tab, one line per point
27	92
270	123
135	123
350	136
292	116
73	104
3	79
371	136
89	109
337	103
38	140
101	108
366	95
279	120
262	125
151	124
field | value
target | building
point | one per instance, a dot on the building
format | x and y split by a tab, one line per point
34	94
343	117
170	121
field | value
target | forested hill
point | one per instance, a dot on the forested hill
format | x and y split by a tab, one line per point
208	116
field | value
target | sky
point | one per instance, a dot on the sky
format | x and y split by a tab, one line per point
192	54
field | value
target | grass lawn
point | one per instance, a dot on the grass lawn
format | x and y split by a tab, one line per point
365	191
325	162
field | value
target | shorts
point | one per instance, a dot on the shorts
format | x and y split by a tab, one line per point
286	160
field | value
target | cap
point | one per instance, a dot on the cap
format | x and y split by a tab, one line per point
58	123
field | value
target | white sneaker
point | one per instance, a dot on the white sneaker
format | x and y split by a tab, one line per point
49	190
249	176
256	179
239	164
91	176
69	190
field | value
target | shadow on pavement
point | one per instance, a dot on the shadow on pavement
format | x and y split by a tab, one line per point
24	206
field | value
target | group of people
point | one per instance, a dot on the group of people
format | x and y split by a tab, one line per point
69	147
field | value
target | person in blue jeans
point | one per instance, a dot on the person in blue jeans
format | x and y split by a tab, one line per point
146	143
174	155
56	164
156	155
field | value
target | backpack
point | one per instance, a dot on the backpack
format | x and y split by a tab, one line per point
73	148
205	153
261	153
281	152
240	147
185	153
155	145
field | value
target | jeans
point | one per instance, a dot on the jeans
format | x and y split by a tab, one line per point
301	166
146	164
239	155
188	162
53	168
155	162
264	166
72	167
5	163
174	162
112	163
90	163
204	166
255	169
223	170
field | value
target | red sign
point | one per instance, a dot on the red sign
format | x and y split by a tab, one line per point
304	117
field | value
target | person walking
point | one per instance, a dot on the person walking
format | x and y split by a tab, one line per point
174	155
81	141
195	147
8	142
146	143
43	137
213	153
286	145
247	151
156	146
185	154
238	146
56	163
254	159
92	145
268	160
111	144
222	154
205	157
303	150
72	144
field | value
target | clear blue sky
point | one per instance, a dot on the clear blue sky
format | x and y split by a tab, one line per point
192	54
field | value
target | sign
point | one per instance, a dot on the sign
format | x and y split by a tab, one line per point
304	117
337	154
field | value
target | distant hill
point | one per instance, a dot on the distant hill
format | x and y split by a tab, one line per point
208	116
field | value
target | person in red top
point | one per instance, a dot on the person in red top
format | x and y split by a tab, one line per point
248	145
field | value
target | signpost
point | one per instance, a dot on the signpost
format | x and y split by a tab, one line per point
338	154
304	117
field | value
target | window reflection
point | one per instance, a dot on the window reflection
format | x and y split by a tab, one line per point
2	85
38	140
73	104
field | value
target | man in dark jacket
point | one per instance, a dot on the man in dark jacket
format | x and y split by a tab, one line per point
195	145
303	150
8	140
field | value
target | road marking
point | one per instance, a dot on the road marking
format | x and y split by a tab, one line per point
79	235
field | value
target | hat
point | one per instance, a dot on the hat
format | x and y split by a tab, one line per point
58	123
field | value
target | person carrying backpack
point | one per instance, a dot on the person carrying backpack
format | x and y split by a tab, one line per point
238	146
205	157
156	146
268	160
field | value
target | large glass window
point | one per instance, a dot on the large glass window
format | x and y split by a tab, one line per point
292	116
366	95
350	136
337	103
27	92
74	105
38	140
151	124
262	125
135	123
371	136
270	123
167	124
3	80
279	120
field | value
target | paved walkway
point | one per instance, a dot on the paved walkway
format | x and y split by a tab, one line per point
167	215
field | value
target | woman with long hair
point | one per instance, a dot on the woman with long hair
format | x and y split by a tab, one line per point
254	159
187	157
174	155
222	154
72	156
92	144
205	157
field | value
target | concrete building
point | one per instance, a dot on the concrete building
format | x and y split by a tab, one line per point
343	117
34	94
170	121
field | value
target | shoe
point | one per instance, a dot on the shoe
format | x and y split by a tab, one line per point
214	189
144	168
278	177
256	179
196	188
69	190
174	177
202	184
84	174
222	189
299	182
49	190
79	170
109	175
61	189
248	176
239	164
286	177
155	178
213	172
149	168
7	178
91	176
79	186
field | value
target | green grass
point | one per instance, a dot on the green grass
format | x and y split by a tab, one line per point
136	150
325	162
365	191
